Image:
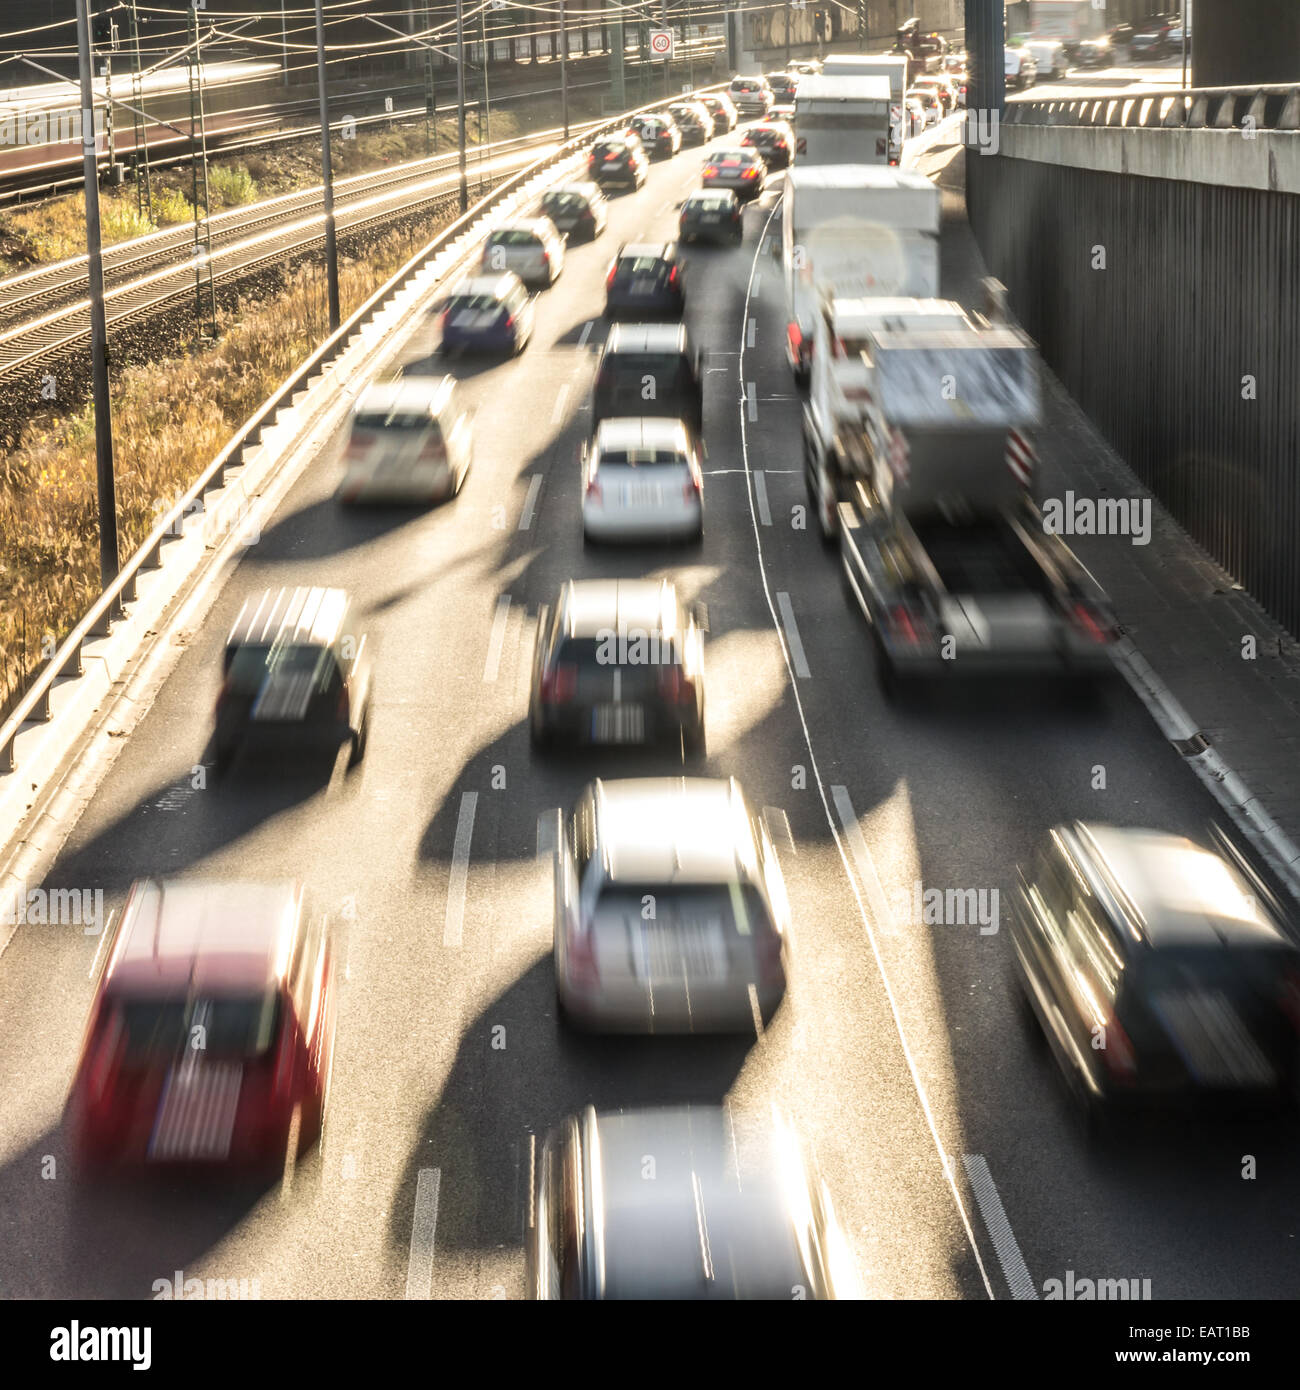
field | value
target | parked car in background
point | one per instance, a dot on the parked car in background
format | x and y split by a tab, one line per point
642	480
1160	971
579	210
533	250
742	170
210	1042
1021	70
645	280
658	132
1049	57
720	107
295	675
713	952
618	160
485	313
753	1187
751	97
409	440
774	140
712	215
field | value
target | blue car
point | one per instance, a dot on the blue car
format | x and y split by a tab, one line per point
486	313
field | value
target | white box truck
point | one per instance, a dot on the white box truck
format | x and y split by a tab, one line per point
853	229
842	120
897	67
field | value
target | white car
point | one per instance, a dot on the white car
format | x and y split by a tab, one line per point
642	480
1049	57
410	440
671	913
930	103
1019	67
916	117
534	250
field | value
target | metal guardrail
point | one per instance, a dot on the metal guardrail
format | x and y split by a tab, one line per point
1192	108
34	707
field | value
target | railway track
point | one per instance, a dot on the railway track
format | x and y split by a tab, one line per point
45	312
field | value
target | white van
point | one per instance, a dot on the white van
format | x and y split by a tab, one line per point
410	441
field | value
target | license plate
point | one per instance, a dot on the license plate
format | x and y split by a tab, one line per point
711	217
670	952
643	495
618	724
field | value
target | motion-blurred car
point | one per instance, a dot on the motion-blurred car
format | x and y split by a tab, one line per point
1095	53
805	67
295	673
618	161
1159	971
751	97
670	908
783	86
485	313
722	111
1049	57
618	661
930	103
641	480
917	120
409	440
210	1040
645	280
774	140
578	210
954	62
658	132
942	87
662	354
713	215
743	170
1020	69
694	120
727	1216
533	250
1150	36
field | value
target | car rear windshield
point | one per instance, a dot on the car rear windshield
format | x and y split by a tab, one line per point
639	648
565	202
670	371
639	457
764	137
611	148
714	202
249	666
735	908
476	303
629	267
745	85
236	1026
393	420
1213	968
732	161
514	237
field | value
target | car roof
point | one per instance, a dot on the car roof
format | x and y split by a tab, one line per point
628	432
539	226
583	186
1170	891
646	337
299	617
679	830
720	1211
710	195
655	250
412	394
497	286
740	151
591	606
178	934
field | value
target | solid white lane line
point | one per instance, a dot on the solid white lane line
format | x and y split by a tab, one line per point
419	1264
586	333
492	666
792	635
862	858
453	928
1014	1269
760	494
561	400
530	502
917	1084
103	943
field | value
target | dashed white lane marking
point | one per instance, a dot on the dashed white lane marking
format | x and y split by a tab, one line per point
890	994
760	496
419	1264
530	502
454	927
749	333
492	666
862	858
758	286
751	399
1014	1269
586	333
792	635
561	400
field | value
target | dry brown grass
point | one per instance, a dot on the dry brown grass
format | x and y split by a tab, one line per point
170	419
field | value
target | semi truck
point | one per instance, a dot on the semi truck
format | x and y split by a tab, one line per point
853	229
843	120
942	544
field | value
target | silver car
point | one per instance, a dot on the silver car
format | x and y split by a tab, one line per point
534	250
642	480
410	440
671	913
684	1203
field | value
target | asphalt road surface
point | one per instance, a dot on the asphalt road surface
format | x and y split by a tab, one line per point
955	1159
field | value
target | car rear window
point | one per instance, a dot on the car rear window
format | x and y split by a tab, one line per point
236	1026
514	237
476	303
564	202
642	647
393	420
732	161
669	370
629	267
744	86
247	667
638	458
736	908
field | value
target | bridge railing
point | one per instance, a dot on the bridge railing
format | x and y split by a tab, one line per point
1192	108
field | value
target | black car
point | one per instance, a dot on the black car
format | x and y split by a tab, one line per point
1160	972
658	132
645	280
295	673
694	120
618	661
723	112
662	354
579	210
783	85
618	159
712	215
774	140
1094	53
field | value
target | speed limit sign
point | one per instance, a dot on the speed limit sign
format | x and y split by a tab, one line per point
661	43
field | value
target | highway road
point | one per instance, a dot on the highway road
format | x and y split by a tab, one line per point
957	1165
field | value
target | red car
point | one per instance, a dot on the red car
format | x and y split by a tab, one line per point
211	1038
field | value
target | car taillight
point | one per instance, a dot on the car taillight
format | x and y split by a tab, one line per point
609	279
710	172
583	970
284	1060
692	487
559	683
672	275
1117	1054
344	705
510	320
768	951
675	687
593	488
358	444
750	174
1085	620
907	625
546	260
